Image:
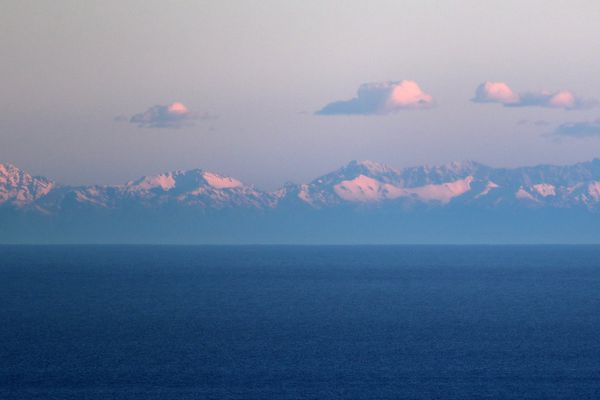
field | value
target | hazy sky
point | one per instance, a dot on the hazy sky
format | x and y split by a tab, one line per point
251	76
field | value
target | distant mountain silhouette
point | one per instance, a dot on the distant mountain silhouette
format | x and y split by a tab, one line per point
363	201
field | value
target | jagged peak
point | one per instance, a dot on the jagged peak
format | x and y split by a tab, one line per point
20	188
371	166
463	164
13	175
189	179
454	166
356	168
8	168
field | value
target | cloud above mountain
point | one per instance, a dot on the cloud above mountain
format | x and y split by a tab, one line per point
381	98
175	115
500	92
583	129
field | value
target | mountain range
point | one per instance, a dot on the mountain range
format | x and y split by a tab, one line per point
361	202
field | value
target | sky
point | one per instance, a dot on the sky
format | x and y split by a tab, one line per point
274	91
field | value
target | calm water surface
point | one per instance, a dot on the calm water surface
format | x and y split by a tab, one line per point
432	322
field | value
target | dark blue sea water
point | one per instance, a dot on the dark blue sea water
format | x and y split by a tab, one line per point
144	322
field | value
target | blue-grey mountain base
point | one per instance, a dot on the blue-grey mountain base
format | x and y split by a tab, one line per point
362	202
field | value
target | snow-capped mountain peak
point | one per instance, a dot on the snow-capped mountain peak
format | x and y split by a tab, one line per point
221	182
164	182
19	188
362	198
359	182
371	167
183	181
367	168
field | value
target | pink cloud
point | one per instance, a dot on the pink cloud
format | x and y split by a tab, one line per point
178	108
500	92
381	98
562	99
174	115
495	92
408	94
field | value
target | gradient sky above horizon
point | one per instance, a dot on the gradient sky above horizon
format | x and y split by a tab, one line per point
255	72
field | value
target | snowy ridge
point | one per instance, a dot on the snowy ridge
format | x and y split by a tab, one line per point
195	188
465	183
364	189
19	188
358	183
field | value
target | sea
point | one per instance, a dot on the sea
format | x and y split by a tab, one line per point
299	322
